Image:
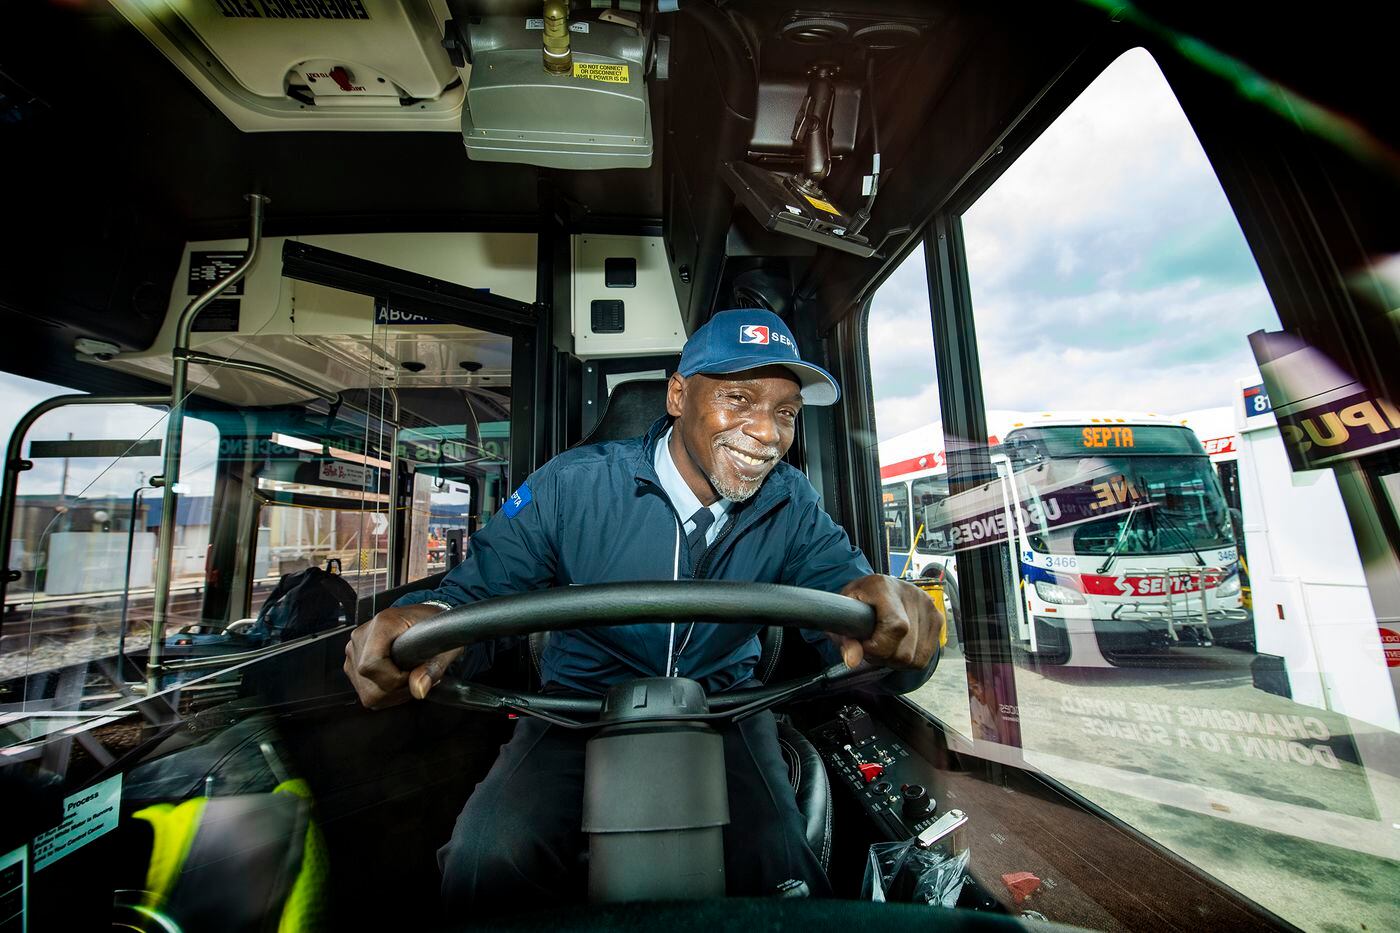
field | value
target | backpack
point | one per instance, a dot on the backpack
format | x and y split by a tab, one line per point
304	603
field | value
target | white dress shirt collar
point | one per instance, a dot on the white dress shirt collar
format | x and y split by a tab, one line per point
680	493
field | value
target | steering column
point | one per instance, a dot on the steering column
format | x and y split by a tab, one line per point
655	798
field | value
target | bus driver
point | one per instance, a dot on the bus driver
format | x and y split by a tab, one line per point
704	493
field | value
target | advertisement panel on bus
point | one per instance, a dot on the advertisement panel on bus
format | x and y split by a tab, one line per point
1318	638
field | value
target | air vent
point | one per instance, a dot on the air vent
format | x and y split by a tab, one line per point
751	298
762	288
866	31
608	317
815	30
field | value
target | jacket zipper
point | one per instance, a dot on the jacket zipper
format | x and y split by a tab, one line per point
704	563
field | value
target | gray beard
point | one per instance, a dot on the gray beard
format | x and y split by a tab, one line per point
739	491
735	493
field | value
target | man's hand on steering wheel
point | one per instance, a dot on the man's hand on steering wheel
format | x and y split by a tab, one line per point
908	625
376	679
905	627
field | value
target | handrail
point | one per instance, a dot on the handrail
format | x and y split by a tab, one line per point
181	357
174	432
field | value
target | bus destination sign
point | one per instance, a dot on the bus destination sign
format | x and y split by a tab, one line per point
1113	438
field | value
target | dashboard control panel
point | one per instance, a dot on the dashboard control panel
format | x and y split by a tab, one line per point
896	788
891	785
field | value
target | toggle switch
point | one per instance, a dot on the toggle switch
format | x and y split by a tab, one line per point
869	770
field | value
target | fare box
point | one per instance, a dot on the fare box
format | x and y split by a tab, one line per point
88	814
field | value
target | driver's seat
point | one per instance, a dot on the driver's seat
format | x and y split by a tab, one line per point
806	771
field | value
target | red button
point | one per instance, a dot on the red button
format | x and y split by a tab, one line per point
870	771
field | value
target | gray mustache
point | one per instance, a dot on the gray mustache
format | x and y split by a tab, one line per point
769	453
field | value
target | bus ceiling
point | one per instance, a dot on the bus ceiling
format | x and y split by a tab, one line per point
780	157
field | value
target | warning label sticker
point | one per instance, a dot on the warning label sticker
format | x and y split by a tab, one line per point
536	22
208	267
593	71
292	9
86	815
821	205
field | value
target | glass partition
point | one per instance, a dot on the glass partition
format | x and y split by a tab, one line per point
86	527
913	466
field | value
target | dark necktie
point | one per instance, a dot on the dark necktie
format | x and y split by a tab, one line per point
695	541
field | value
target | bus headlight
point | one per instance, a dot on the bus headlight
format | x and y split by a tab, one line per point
1229	587
1059	595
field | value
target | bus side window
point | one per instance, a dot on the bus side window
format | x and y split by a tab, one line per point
85	528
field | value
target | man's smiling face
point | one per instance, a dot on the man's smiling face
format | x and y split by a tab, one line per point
732	430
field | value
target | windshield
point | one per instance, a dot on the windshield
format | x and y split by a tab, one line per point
929	494
895	502
1159	505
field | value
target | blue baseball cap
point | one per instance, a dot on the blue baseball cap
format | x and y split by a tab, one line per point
747	338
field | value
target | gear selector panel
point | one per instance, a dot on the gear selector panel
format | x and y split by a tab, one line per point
891	784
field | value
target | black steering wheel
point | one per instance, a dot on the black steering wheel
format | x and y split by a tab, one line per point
608	604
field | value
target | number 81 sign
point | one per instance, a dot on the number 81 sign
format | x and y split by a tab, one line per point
1256	401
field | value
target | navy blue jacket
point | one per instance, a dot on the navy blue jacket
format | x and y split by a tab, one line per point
597	514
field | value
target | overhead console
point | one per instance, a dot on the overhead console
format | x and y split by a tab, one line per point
621	304
550	90
310	64
786	102
332	338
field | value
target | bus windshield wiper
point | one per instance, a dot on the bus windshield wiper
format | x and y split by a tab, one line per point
1122	538
1175	529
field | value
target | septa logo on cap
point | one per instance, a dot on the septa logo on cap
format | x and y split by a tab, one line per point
753	333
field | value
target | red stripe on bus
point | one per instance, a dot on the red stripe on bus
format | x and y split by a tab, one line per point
930	461
1096	585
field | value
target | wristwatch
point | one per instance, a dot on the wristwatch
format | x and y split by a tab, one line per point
438	603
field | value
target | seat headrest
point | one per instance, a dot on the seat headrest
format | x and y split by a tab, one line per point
631	408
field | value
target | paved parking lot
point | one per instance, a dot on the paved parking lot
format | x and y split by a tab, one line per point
1293	806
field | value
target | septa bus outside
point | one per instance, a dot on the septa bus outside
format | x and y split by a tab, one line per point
1116	521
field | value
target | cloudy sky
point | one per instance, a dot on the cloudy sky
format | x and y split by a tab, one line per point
94	478
1107	271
